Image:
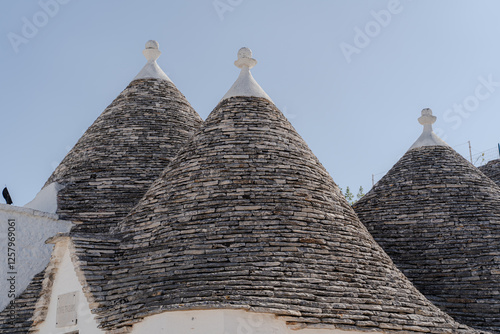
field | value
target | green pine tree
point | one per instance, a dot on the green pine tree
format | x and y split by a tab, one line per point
349	196
360	193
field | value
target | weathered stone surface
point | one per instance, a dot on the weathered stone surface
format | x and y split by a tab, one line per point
492	170
108	171
16	319
247	217
122	153
438	218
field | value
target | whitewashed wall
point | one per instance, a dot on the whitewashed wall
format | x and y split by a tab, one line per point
222	322
32	255
66	280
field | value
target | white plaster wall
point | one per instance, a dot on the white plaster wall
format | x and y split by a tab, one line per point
46	199
32	254
66	280
222	322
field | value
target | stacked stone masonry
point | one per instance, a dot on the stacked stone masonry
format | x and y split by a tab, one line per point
112	166
438	218
492	170
122	153
17	319
246	217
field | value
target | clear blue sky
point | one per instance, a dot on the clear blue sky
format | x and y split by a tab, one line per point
358	116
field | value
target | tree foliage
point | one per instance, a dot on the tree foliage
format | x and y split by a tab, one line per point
349	196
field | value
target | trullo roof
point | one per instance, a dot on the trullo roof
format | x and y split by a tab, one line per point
438	218
247	217
131	142
113	164
492	170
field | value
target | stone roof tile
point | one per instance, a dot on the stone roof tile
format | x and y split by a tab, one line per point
111	167
122	153
438	218
247	217
16	318
492	170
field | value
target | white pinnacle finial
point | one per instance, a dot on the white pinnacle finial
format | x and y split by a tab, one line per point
427	118
151	70
245	58
428	137
152	44
245	85
151	51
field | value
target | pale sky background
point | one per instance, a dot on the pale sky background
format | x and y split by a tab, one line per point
358	117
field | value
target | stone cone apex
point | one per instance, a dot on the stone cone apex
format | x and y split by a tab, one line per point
492	170
111	166
245	85
247	217
151	70
438	217
428	137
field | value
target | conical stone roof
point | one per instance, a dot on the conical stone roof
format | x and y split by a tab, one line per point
492	170
438	218
247	217
124	150
111	167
